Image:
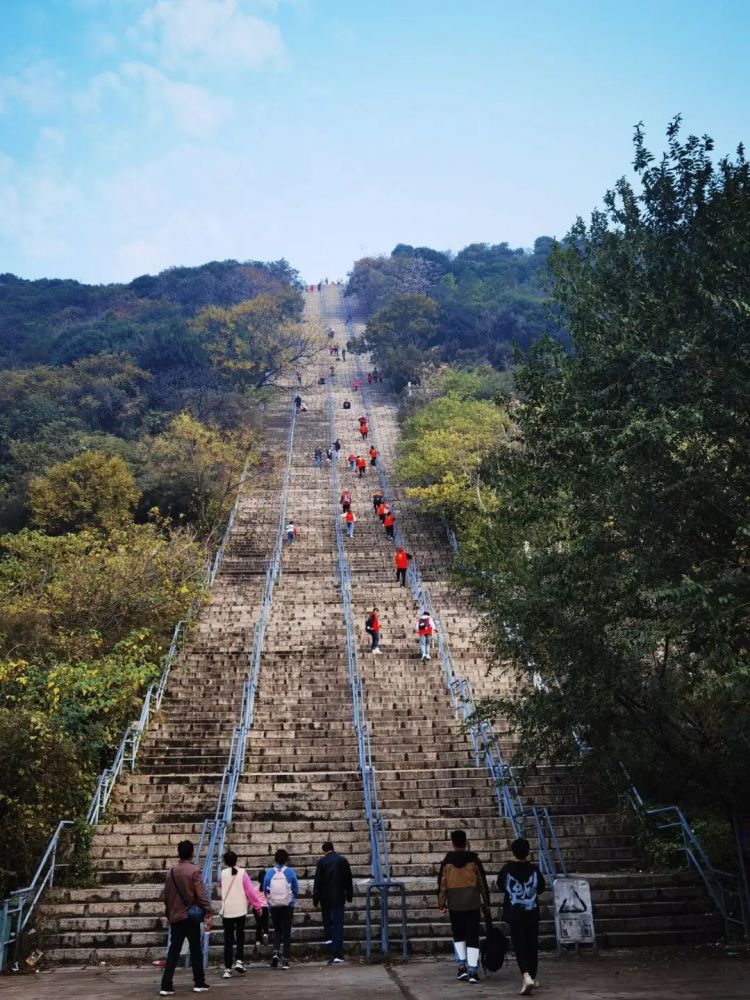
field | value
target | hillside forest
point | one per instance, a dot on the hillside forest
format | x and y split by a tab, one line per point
127	416
598	490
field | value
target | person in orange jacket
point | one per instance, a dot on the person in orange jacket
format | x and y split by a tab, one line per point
361	466
382	511
373	456
372	627
350	520
389	521
363	430
401	560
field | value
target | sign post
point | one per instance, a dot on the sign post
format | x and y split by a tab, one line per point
574	917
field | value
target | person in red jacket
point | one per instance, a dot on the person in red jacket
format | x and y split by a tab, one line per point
389	521
424	631
361	466
363	430
372	627
373	456
352	460
383	509
401	560
350	519
346	501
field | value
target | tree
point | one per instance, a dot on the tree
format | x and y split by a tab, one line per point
41	779
192	472
253	344
444	448
619	552
400	335
89	490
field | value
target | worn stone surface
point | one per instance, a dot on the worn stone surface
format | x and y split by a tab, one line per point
613	975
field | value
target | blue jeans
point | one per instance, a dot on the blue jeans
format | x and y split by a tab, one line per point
350	528
425	644
290	537
333	928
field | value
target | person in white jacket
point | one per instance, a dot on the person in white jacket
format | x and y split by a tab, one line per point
237	891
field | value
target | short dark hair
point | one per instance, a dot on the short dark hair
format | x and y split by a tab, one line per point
521	848
458	838
328	846
230	858
281	856
185	850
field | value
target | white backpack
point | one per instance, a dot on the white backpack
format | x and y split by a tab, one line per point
279	889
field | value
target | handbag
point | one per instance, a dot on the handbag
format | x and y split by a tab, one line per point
195	911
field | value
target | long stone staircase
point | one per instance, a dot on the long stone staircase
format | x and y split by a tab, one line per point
301	783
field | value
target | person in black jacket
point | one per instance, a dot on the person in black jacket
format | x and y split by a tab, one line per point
332	889
521	882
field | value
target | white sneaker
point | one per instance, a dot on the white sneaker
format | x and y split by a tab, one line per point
428	657
328	941
227	974
528	985
239	966
376	652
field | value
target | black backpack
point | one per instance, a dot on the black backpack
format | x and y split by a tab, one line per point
493	949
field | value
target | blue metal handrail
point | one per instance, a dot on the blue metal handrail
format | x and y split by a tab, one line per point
724	888
215	827
484	740
19	906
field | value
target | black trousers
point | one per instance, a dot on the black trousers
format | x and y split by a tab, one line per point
234	939
401	575
389	531
524	933
191	930
261	925
281	918
465	926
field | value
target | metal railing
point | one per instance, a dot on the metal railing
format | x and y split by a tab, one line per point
724	888
214	828
483	738
19	906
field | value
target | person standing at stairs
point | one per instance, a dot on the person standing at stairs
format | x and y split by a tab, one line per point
291	532
237	891
521	882
372	627
281	888
346	501
389	522
424	631
377	499
463	891
350	519
401	559
373	456
361	466
183	890
352	460
332	889
318	458
261	919
382	511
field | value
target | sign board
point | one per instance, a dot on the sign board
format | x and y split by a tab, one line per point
574	917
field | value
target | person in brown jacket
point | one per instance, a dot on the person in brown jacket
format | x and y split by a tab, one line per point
462	890
183	890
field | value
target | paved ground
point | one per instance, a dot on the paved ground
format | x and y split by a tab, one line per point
675	975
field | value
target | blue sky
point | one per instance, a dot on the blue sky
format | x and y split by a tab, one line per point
140	134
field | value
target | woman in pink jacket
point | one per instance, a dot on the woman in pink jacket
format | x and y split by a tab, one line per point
237	891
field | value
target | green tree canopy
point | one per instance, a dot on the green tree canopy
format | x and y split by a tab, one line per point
90	490
619	551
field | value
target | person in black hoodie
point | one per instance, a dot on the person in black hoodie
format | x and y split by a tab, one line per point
332	889
462	890
521	882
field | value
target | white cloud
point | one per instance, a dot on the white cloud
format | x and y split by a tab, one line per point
38	89
159	101
181	34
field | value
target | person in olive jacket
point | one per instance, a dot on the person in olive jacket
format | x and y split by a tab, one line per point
332	889
463	891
